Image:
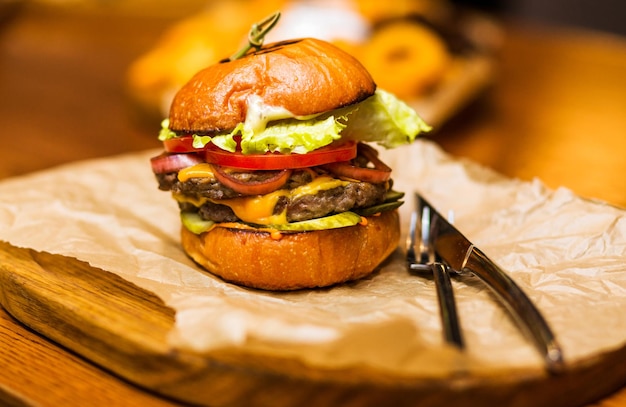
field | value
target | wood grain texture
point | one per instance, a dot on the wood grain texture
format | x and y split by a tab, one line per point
38	372
123	329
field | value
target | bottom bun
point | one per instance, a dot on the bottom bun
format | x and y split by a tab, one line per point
297	260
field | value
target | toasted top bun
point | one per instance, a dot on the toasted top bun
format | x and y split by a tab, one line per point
306	76
298	260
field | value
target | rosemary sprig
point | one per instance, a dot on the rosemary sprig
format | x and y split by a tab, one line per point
256	35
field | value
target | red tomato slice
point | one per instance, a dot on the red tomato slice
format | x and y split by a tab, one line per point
269	161
277	161
276	180
380	173
346	169
183	144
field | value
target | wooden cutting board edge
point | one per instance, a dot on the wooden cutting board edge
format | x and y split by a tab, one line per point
123	328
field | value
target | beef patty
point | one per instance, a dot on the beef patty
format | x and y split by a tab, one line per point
353	195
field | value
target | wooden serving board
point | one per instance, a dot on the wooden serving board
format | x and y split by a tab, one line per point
123	329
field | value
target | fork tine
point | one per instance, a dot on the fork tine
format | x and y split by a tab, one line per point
410	249
413	262
445	295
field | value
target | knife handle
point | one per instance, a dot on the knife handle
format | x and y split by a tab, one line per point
521	308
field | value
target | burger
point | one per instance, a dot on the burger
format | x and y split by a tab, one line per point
269	158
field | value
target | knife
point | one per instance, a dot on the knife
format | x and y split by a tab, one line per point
460	255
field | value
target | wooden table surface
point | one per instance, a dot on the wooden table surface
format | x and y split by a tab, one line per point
555	112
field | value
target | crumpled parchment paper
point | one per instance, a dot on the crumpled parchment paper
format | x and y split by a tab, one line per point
567	253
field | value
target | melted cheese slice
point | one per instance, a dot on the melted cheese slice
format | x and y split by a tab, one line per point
259	209
202	170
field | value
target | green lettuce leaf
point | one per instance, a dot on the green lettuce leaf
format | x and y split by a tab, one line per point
385	120
381	118
291	136
166	133
284	136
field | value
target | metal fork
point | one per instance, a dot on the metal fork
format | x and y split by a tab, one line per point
421	257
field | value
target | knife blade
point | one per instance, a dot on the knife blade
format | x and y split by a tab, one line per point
460	254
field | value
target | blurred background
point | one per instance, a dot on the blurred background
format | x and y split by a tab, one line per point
606	15
603	15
